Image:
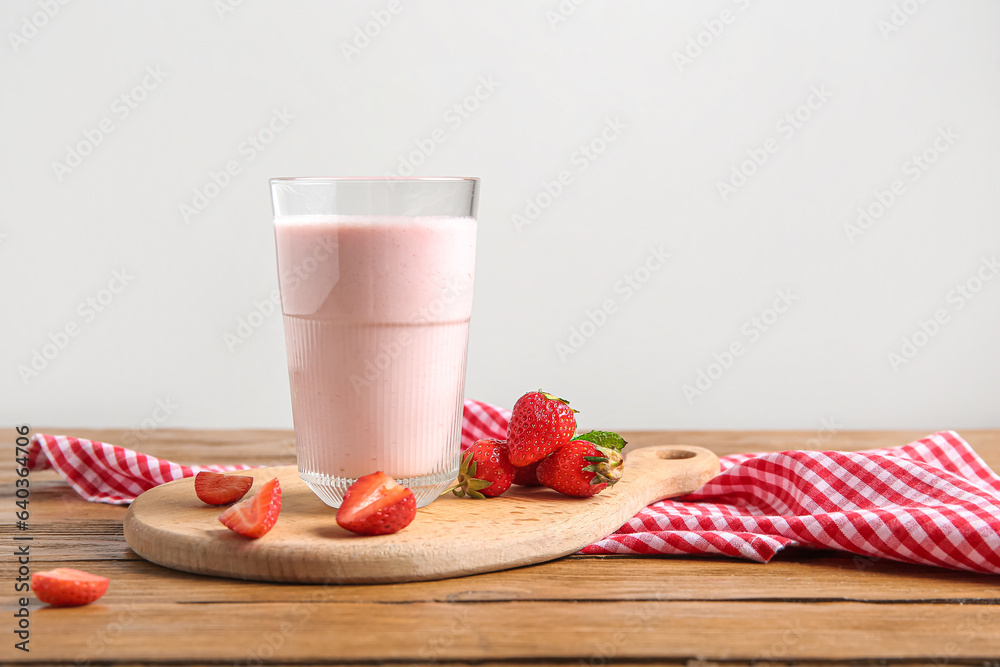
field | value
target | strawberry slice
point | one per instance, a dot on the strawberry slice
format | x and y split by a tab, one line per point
254	516
217	489
66	587
376	505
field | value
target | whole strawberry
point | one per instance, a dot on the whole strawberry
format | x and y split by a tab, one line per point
485	470
525	475
580	469
539	424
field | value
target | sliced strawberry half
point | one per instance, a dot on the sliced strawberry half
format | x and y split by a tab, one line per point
254	516
376	504
66	587
215	488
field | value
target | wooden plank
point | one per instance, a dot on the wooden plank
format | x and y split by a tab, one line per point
312	630
616	663
802	575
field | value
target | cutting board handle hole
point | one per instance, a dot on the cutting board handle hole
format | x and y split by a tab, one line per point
675	454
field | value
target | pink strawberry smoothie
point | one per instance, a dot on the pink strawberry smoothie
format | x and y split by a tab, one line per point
376	314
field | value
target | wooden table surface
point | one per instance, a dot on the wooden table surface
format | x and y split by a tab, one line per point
805	607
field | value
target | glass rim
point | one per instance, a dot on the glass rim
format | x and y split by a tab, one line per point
373	179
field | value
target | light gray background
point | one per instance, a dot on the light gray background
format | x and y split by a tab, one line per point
895	75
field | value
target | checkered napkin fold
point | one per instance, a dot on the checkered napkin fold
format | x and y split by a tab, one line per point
932	501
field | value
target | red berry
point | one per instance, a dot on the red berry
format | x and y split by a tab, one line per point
580	469
526	475
485	471
539	424
66	587
253	517
217	489
376	504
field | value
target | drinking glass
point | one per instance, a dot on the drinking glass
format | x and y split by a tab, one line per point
376	278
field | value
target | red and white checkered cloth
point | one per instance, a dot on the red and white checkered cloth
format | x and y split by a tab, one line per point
933	501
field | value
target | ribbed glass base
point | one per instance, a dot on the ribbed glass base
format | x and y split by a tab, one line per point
426	489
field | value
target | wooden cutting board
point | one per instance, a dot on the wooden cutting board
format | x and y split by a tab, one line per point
451	537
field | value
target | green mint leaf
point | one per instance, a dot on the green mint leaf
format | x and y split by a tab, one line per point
608	439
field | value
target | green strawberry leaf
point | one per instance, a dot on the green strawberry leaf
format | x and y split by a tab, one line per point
553	397
608	439
476	484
